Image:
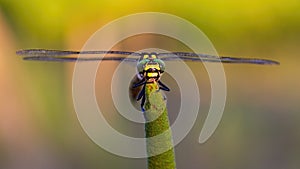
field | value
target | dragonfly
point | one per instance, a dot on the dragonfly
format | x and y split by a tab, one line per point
150	65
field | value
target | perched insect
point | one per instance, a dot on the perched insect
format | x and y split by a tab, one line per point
150	66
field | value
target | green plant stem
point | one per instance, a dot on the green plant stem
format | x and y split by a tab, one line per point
157	127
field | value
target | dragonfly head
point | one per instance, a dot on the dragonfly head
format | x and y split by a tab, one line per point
150	67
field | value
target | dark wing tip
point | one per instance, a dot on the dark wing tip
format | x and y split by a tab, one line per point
226	59
26	52
273	62
265	62
21	52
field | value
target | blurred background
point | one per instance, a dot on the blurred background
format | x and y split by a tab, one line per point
261	122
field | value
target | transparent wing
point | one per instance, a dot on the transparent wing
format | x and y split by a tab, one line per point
186	56
66	56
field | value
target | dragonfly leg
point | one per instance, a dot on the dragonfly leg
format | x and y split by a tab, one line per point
163	86
143	103
141	93
142	96
140	83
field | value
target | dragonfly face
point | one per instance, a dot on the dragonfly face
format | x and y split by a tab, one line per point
150	67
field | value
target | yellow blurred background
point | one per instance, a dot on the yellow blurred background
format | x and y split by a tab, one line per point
261	122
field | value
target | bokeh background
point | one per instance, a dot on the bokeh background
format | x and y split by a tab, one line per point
261	123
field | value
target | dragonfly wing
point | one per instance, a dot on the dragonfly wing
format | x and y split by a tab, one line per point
248	60
49	52
211	58
45	52
74	59
63	56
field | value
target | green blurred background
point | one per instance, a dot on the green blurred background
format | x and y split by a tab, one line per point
261	123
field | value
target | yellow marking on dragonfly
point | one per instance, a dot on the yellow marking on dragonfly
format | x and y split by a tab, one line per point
145	56
151	66
153	56
149	56
154	74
